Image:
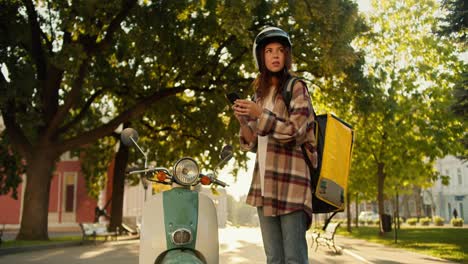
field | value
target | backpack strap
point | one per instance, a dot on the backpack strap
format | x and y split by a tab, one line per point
287	91
328	220
287	96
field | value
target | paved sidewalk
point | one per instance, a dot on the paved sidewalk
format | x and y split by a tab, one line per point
237	246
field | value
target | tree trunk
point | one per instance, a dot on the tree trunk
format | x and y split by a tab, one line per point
418	200
357	209
380	193
34	221
118	186
404	204
348	211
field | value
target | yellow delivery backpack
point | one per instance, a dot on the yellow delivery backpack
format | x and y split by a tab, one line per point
334	148
329	180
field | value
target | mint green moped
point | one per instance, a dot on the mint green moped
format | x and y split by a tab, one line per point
179	225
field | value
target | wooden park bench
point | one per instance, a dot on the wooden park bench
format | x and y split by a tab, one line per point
1	234
94	230
326	237
130	226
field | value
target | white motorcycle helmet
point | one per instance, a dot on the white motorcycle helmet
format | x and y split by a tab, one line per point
267	34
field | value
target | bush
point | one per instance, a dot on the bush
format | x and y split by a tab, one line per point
342	221
439	221
412	221
425	221
377	222
456	222
399	222
370	222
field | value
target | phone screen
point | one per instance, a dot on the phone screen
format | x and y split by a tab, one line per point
232	97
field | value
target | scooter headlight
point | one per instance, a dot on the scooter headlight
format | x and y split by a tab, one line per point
182	236
186	171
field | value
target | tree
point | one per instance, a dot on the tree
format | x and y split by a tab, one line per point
407	123
11	168
455	26
456	20
78	58
78	70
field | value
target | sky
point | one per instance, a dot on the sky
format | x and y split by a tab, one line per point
364	5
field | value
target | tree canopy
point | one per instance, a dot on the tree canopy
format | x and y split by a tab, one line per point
79	69
406	123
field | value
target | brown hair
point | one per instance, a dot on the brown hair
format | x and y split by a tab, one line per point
263	82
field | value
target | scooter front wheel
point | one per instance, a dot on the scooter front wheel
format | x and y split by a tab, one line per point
178	256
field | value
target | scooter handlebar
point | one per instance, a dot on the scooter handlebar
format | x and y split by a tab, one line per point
147	170
220	183
214	180
130	171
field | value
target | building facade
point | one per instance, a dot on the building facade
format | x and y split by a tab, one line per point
69	202
438	200
446	199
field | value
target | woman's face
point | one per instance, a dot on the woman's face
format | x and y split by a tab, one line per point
274	56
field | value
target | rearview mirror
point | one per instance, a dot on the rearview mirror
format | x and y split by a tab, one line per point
226	153
129	136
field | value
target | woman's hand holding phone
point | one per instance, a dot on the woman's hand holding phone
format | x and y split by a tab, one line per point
243	108
249	108
233	97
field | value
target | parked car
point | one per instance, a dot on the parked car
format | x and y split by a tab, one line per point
365	216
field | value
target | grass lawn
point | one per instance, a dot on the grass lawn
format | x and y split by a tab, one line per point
447	243
23	243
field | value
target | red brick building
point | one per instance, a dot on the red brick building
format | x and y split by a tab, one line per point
69	203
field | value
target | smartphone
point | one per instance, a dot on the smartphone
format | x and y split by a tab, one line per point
232	97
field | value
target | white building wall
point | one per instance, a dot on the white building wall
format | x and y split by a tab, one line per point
455	194
134	198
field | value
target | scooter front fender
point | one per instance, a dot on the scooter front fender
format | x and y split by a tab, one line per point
178	256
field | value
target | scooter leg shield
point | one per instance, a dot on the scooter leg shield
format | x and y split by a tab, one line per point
181	256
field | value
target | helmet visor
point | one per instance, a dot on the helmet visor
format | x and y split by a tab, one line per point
273	35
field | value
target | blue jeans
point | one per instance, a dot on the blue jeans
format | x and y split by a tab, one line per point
284	237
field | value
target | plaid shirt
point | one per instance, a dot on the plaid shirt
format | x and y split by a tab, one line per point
287	178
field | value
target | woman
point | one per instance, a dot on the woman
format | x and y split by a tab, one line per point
281	182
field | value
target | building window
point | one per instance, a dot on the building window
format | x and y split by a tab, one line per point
447	173
412	207
362	207
462	214
449	210
459	174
